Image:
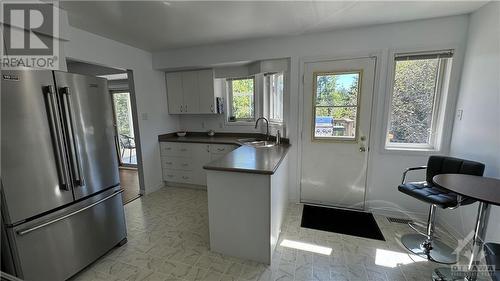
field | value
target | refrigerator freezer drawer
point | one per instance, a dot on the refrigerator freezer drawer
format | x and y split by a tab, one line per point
58	249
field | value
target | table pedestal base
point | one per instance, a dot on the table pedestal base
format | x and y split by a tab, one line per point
471	274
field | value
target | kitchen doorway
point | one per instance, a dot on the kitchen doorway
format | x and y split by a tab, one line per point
127	142
335	131
124	126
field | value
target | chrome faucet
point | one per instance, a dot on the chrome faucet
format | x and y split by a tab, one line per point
267	126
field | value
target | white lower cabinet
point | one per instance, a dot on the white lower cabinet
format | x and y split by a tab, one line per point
183	162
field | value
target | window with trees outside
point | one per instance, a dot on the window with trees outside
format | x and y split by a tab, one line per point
275	88
335	105
417	89
241	96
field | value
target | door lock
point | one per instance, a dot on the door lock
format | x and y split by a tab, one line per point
362	149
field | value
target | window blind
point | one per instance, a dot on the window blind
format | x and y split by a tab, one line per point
444	54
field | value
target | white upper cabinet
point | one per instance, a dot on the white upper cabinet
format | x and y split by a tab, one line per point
174	90
206	91
193	92
190	91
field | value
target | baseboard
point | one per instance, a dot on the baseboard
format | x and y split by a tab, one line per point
185	185
127	168
158	187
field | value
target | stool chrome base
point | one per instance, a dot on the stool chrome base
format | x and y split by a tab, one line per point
440	252
445	274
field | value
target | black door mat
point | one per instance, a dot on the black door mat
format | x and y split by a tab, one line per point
342	221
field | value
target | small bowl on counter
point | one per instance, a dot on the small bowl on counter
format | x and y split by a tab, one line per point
181	134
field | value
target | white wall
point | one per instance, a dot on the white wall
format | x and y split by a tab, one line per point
149	87
477	135
386	169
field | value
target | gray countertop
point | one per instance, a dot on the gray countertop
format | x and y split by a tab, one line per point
244	159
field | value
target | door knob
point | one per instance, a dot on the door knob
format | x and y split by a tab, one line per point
362	149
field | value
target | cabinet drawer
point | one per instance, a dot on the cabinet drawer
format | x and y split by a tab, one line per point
186	177
222	148
185	164
215	156
177	163
176	149
167	163
170	175
167	148
179	176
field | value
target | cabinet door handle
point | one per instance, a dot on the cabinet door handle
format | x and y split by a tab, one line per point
221	149
185	165
183	149
181	108
184	177
212	108
186	108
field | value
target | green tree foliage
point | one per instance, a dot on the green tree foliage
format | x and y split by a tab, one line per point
412	100
122	110
243	98
329	93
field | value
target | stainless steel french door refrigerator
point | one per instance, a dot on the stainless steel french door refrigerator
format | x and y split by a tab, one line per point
60	187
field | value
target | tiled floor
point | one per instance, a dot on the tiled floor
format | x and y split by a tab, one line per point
168	240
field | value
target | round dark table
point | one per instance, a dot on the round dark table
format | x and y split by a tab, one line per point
486	191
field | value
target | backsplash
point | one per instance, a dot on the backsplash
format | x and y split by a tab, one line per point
203	123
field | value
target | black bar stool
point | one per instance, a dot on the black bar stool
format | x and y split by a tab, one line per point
426	244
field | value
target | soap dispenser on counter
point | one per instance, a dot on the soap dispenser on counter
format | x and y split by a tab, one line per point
278	137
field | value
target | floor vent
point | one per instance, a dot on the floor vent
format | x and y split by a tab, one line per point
399	220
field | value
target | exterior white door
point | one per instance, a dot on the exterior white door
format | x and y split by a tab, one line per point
335	131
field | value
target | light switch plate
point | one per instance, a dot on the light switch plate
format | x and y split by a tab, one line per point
460	114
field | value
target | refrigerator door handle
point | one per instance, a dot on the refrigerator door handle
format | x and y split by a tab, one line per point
47	223
68	117
57	140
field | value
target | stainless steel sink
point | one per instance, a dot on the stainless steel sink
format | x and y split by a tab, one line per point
257	143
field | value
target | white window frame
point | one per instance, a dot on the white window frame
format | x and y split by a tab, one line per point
439	108
267	97
229	91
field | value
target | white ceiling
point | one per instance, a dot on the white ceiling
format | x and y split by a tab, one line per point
160	25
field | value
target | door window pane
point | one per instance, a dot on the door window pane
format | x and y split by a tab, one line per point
335	122
336	105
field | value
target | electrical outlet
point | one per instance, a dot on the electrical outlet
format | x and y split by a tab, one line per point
460	114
